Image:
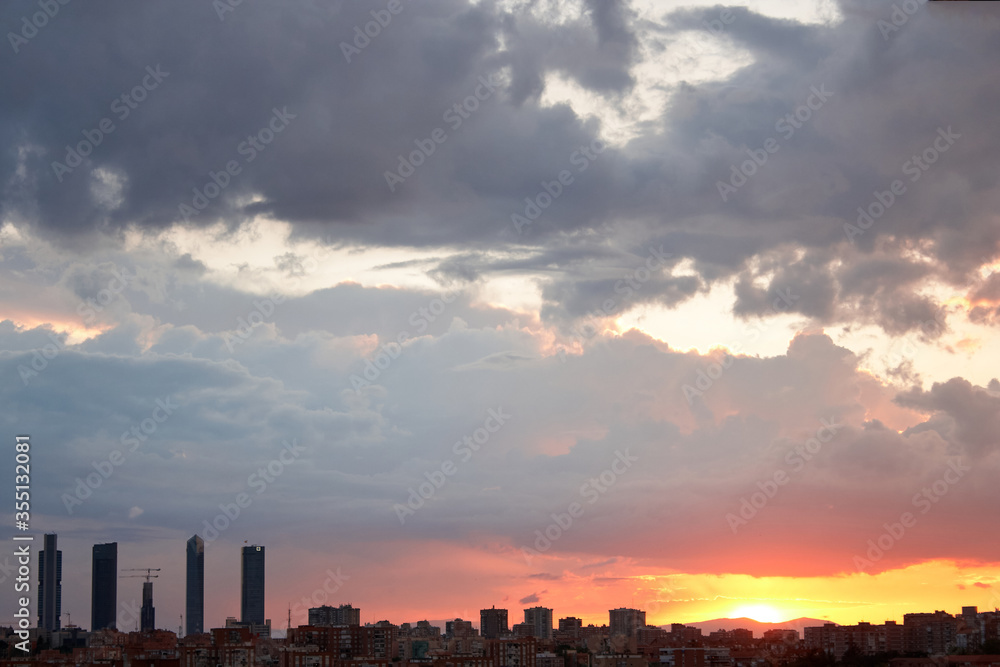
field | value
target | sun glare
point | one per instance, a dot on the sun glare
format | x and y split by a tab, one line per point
760	612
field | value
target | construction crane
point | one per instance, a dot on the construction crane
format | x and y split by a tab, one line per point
147	570
147	613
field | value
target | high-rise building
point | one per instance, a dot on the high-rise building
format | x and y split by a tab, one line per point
540	620
49	585
493	623
626	621
195	605
147	614
252	585
104	586
459	628
345	614
570	625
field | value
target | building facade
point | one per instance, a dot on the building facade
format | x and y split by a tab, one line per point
345	614
540	620
194	606
493	623
252	585
49	585
104	586
625	622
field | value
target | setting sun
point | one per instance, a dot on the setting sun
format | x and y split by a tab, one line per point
759	612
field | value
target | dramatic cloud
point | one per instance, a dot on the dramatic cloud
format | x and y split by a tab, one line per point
403	278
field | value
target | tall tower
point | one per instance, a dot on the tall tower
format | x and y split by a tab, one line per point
493	623
147	615
540	620
252	588
195	586
625	621
49	584
104	586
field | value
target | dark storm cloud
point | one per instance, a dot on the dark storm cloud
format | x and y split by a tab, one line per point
961	413
888	101
221	79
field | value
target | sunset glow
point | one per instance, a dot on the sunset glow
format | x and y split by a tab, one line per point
661	306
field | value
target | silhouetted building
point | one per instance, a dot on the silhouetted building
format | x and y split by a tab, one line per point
625	622
540	620
104	586
345	614
570	625
493	623
195	601
511	652
869	639
459	628
695	657
684	635
147	614
930	633
252	586
49	585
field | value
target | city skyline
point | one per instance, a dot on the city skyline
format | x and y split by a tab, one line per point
620	620
671	306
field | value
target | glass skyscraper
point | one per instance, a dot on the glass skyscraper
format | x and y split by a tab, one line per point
104	586
252	588
49	585
195	608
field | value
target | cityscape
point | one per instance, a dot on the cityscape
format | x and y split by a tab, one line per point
335	637
499	333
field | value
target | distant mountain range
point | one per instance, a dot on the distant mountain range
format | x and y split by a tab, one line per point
750	624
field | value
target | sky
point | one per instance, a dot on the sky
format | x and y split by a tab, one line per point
585	304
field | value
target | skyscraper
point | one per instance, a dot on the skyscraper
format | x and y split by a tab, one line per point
625	621
540	620
49	585
252	588
104	586
195	607
493	623
147	615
